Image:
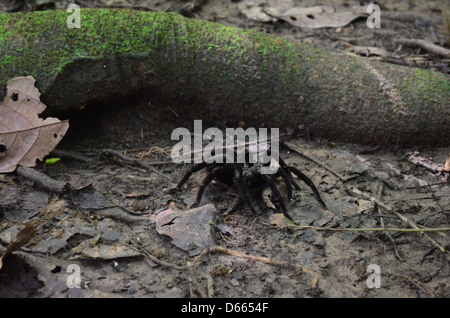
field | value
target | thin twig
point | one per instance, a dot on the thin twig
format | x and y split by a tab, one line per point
400	216
379	193
426	45
70	155
217	249
186	268
114	6
415	284
195	284
435	198
266	260
369	229
121	157
295	149
394	244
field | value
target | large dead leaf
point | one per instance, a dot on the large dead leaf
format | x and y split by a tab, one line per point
190	230
318	16
24	136
255	9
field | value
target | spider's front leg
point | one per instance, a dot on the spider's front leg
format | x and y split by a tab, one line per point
302	177
277	198
308	181
188	174
242	186
207	180
285	176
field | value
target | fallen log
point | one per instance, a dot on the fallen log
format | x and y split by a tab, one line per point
225	73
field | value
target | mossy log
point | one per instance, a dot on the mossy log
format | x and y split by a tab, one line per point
224	73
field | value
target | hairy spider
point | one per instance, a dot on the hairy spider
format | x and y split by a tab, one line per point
247	176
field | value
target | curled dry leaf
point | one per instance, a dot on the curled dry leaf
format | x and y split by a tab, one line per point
23	237
24	136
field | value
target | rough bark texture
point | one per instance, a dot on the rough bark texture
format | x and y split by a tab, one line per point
226	73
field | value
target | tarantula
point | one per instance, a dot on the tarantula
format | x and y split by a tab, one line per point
247	176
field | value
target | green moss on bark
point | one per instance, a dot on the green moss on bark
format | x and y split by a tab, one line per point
121	32
229	72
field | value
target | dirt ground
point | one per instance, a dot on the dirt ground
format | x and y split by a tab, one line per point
106	226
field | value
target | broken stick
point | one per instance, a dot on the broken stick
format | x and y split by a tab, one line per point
426	45
266	260
42	180
400	216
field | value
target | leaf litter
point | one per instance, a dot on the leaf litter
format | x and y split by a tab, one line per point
144	244
68	227
313	17
24	136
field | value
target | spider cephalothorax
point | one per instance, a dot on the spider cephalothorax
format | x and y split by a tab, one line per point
245	176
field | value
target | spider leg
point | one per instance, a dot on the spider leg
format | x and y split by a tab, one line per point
308	181
277	197
285	167
207	180
243	189
188	174
286	181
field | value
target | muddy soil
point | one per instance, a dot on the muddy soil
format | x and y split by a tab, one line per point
106	225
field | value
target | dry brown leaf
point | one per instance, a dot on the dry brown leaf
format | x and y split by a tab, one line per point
25	235
279	220
254	9
24	136
370	50
190	230
90	250
319	16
